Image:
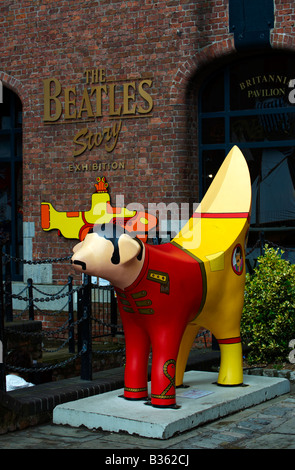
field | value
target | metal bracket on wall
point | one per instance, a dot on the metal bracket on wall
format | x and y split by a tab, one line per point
251	21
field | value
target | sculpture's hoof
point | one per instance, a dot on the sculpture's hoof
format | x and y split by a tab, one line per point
133	399
230	385
172	407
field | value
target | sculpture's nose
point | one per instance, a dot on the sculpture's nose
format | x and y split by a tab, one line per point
79	263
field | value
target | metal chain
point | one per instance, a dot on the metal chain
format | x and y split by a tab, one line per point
19	315
51	314
44	299
65	362
62	328
57	349
100	322
47	368
37	260
114	351
267	242
250	250
50	295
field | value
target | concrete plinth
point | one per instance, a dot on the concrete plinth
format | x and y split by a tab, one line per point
203	401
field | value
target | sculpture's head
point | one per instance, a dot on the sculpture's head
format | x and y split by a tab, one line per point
105	248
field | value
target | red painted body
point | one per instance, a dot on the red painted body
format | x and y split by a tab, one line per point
155	310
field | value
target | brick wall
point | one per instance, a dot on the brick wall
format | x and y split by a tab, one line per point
283	33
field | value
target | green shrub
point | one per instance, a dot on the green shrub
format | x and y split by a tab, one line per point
268	320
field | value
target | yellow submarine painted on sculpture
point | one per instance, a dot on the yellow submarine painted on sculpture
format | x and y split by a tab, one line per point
76	224
216	236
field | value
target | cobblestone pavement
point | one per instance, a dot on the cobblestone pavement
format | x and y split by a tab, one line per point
270	425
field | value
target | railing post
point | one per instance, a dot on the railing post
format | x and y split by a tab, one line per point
79	317
86	358
2	355
71	316
31	300
8	292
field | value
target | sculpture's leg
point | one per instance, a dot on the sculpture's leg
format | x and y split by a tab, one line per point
187	340
137	353
165	349
231	362
163	383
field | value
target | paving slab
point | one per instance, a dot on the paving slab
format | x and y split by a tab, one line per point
201	402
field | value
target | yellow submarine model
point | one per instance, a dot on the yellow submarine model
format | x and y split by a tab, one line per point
76	224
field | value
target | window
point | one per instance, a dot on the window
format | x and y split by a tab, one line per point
246	104
11	176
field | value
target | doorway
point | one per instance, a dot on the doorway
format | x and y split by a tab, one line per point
11	198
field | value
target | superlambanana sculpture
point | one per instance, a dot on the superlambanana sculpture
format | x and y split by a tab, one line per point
166	292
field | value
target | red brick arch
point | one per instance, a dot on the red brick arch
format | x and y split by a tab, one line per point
279	41
192	65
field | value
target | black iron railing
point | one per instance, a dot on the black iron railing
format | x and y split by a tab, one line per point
96	316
